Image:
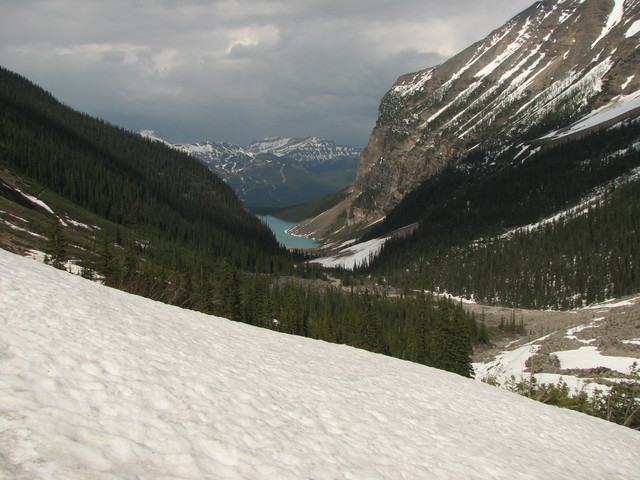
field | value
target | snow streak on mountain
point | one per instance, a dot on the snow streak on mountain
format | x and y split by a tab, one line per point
96	383
546	68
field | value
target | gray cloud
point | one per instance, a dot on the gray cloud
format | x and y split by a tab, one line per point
237	70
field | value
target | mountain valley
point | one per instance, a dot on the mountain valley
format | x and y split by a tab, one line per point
490	228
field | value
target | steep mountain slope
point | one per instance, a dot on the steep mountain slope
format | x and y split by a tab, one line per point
277	171
100	384
167	207
521	166
547	67
558	230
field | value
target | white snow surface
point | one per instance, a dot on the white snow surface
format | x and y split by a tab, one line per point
618	106
509	365
590	357
614	18
352	257
633	29
99	384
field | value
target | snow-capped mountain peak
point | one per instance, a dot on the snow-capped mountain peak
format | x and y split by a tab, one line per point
303	150
306	149
276	171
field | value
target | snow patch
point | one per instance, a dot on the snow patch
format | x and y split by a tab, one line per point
509	365
633	29
35	201
575	384
96	383
81	225
20	229
626	83
618	106
571	333
589	357
613	19
355	256
613	303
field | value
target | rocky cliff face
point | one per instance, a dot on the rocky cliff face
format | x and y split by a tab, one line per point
546	68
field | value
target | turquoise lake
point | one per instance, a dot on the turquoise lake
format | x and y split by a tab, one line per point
290	241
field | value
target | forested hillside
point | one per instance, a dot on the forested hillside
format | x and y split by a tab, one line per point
576	204
145	218
124	178
140	215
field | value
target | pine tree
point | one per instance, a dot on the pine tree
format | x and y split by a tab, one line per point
231	297
107	264
451	344
56	244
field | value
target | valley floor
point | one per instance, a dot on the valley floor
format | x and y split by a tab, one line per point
586	348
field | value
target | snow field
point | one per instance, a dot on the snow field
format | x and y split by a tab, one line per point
352	257
588	357
617	107
99	384
510	365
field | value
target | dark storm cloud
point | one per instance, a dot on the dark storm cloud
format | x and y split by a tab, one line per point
236	70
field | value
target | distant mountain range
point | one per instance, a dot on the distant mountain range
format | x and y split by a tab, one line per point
81	190
276	171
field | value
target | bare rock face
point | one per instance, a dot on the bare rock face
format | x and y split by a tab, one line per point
544	69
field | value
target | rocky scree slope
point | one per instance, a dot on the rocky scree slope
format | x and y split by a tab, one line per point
544	69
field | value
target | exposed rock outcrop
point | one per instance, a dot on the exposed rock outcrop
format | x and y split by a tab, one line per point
544	69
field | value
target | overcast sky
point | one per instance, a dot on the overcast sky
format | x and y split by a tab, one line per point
237	70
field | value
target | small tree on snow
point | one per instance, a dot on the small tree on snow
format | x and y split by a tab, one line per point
55	249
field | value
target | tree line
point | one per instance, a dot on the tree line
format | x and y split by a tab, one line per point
581	258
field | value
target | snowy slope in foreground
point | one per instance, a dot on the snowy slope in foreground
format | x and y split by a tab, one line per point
98	384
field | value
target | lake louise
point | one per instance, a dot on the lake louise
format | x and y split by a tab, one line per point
279	228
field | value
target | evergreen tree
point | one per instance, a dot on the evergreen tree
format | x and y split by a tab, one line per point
56	244
451	344
231	297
